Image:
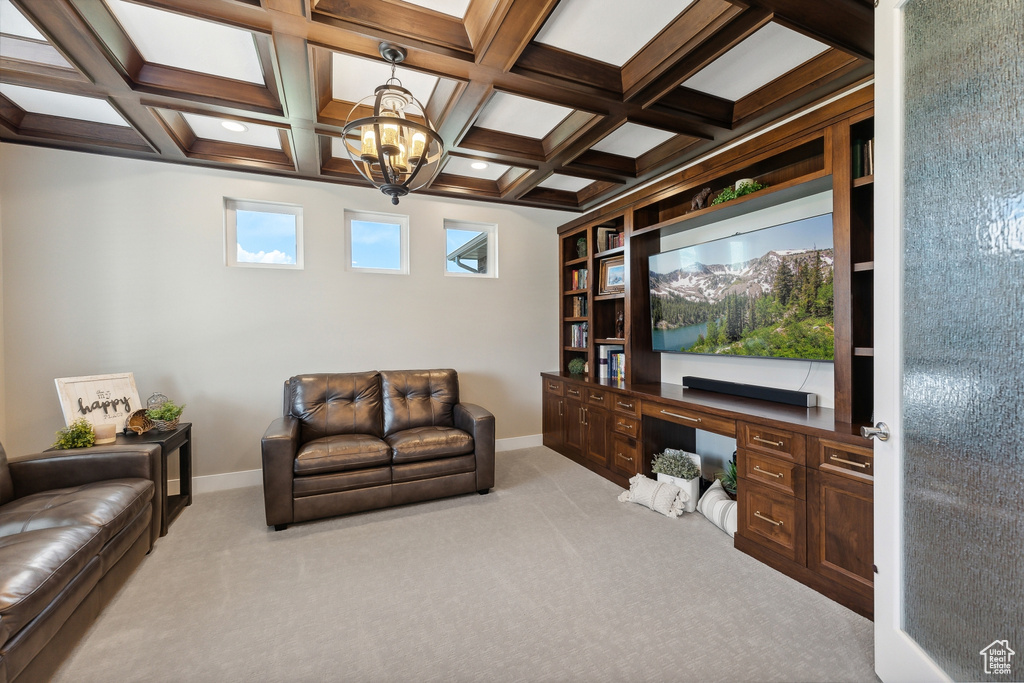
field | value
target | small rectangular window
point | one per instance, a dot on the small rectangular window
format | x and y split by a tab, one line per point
262	234
471	249
377	242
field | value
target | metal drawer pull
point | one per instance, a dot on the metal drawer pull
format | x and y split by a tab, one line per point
624	457
758	514
552	387
595	397
625	426
559	409
770	474
862	465
574	392
778	444
625	405
681	417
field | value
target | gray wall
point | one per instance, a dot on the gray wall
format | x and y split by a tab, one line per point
113	265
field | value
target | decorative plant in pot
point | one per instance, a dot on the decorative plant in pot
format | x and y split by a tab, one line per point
165	415
682	469
577	366
728	477
78	434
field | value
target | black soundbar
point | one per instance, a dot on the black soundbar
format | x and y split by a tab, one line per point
803	399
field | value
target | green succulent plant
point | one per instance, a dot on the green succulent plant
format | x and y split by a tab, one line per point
166	411
728	477
78	434
728	194
675	463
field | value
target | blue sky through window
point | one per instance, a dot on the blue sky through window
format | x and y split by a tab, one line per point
455	239
376	245
265	237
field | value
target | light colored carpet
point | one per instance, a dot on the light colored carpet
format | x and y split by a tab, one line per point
547	578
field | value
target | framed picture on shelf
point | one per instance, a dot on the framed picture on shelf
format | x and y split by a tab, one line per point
100	399
613	276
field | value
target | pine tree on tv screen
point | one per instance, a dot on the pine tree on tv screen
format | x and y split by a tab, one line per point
762	293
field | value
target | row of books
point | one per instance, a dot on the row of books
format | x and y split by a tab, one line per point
578	335
609	238
863	158
579	278
611	362
579	307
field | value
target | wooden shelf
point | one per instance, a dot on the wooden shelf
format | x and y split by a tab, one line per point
574	291
610	297
610	341
576	319
864	180
863	266
863	351
610	252
575	261
581	349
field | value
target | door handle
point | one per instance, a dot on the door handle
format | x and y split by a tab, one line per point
879	431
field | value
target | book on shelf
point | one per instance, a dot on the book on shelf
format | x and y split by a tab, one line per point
579	307
609	238
617	366
579	278
604	354
578	335
863	158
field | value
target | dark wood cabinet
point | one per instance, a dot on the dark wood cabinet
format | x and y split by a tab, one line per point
595	435
553	420
840	544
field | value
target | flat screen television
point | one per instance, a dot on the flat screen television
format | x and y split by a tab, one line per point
765	293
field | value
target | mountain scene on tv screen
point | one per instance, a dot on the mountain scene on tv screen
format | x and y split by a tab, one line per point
775	300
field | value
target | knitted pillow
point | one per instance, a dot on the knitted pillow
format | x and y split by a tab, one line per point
660	496
720	510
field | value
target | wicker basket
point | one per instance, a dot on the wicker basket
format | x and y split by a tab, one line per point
138	422
164	425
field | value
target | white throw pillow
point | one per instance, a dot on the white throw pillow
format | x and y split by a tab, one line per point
660	496
720	510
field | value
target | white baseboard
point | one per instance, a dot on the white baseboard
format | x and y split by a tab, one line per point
517	442
239	480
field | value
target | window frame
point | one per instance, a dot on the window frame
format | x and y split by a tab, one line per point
492	246
231	208
401	220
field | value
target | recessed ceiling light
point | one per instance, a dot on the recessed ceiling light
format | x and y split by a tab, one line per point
234	126
479	165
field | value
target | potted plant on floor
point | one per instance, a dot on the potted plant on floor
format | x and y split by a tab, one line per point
728	477
682	469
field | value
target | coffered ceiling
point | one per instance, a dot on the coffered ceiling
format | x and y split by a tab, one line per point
553	103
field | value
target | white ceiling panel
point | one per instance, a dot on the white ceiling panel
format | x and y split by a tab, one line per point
31	51
61	104
521	116
745	68
353	78
14	23
610	31
455	8
631	140
463	167
564	182
192	44
210	128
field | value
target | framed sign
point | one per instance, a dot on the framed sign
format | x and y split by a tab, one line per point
100	399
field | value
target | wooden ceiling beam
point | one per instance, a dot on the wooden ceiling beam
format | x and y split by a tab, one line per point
521	21
848	25
559	66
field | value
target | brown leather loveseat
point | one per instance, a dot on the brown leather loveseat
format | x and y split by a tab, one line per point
73	527
366	440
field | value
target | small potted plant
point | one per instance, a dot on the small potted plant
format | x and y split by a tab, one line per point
682	469
78	434
165	416
728	477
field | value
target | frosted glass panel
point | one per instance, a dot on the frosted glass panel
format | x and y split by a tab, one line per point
963	328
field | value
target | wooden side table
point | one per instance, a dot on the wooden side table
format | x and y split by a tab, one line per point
181	440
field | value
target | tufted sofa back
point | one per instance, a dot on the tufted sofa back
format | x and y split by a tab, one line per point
327	404
419	398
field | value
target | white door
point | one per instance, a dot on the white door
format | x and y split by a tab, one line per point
897	656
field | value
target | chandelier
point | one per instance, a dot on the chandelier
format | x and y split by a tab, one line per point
394	152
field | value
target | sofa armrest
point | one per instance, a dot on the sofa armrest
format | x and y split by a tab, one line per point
479	422
73	467
279	445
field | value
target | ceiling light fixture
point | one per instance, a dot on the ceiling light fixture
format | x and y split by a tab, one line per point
395	153
234	126
479	165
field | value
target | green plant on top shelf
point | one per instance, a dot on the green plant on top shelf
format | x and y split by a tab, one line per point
577	366
675	463
728	194
166	411
728	478
78	434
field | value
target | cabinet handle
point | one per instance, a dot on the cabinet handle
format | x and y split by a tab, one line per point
595	397
770	474
625	425
552	387
682	417
574	392
758	514
583	417
862	465
625	405
560	409
777	444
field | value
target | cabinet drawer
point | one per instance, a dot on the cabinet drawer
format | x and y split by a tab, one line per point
774	520
553	386
690	418
780	443
630	426
574	391
857	462
626	404
596	397
625	455
783	475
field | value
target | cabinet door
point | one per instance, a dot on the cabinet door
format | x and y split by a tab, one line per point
553	420
840	527
596	441
573	417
